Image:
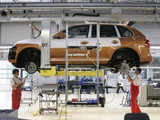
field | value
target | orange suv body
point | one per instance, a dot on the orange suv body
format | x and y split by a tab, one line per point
117	43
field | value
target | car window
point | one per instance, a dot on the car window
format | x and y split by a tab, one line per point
79	31
124	32
105	31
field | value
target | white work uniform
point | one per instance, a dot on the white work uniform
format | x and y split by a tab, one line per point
15	81
138	80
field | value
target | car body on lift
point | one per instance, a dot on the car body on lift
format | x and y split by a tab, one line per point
118	42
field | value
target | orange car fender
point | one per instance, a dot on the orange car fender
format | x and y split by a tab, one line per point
21	47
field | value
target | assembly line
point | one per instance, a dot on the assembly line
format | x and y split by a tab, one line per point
74	59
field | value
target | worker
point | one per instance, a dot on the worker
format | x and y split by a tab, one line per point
134	90
16	84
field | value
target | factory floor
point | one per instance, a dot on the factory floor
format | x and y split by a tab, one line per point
89	113
113	110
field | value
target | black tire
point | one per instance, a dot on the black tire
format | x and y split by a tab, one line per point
31	60
136	116
130	57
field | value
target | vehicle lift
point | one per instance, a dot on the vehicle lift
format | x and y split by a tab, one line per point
48	96
45	56
100	100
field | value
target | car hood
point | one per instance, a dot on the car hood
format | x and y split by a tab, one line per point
29	41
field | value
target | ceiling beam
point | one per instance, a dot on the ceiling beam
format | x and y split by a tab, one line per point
78	19
80	5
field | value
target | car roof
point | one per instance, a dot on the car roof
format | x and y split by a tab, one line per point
99	23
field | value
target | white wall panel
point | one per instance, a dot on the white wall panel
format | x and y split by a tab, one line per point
12	32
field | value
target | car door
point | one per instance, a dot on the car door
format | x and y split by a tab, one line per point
126	37
77	35
108	41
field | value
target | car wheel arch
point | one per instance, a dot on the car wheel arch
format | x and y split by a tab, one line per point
120	50
23	54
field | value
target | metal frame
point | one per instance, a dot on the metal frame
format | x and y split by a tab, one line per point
67	63
45	65
56	5
77	19
48	98
45	44
26	99
109	11
66	86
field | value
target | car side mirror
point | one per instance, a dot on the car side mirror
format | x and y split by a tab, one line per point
59	35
